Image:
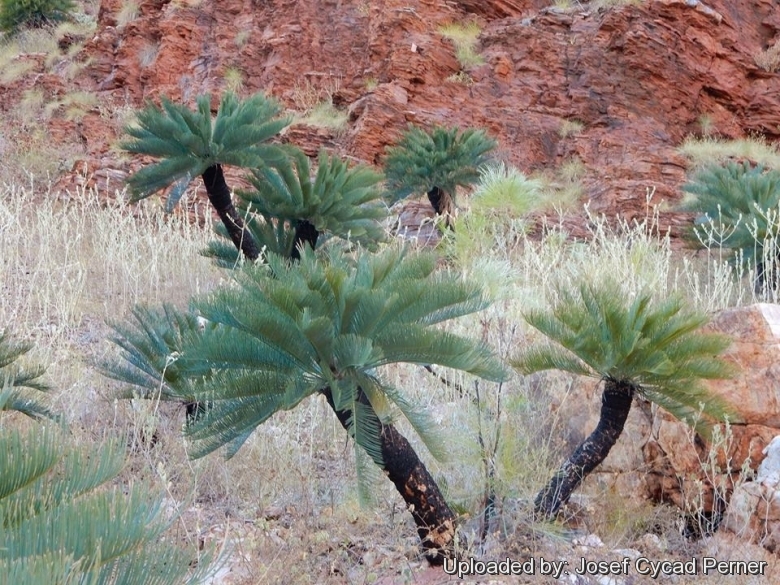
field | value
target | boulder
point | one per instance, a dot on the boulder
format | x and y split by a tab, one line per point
692	474
754	510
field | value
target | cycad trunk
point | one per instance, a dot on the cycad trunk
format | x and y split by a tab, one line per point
434	519
442	204
219	196
615	406
305	233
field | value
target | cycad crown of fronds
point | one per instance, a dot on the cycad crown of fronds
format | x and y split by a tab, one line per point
189	142
443	158
340	201
738	199
150	347
326	324
19	387
60	526
653	345
18	14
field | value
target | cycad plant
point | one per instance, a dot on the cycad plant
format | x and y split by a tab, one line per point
189	143
318	326
287	215
288	208
17	14
20	387
634	346
741	204
62	523
436	162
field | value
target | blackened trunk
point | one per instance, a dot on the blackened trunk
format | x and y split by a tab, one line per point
219	196
434	519
442	204
615	406
305	233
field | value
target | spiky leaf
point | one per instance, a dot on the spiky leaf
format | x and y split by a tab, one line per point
188	141
655	346
288	331
442	157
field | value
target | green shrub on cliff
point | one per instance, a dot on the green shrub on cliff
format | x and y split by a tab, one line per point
17	14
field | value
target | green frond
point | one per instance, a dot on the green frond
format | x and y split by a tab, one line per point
75	474
20	387
738	204
415	345
265	321
61	523
25	402
696	407
284	331
10	371
363	425
342	201
369	477
539	359
158	176
189	141
232	424
441	158
422	423
152	348
654	345
30	457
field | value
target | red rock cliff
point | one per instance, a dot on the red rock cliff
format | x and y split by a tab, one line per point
638	78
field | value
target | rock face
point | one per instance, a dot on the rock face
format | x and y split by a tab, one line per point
661	459
676	459
754	510
616	89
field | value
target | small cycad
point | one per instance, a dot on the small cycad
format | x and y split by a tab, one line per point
436	162
739	207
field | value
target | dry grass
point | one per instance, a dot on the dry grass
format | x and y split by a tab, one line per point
234	79
769	59
464	36
128	12
314	106
580	5
288	502
702	151
570	128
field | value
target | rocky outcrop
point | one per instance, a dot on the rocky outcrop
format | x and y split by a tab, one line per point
661	459
616	89
691	474
754	510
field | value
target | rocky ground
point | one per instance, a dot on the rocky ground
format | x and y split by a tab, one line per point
598	93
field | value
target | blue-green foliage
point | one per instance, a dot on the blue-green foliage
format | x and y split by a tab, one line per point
339	201
443	158
739	201
61	520
288	331
62	523
18	14
19	386
189	142
655	346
